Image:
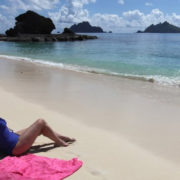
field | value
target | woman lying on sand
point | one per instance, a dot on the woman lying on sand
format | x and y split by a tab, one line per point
18	143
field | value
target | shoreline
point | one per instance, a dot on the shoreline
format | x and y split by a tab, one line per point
47	37
158	80
135	123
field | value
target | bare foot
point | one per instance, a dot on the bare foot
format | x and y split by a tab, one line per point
67	139
61	143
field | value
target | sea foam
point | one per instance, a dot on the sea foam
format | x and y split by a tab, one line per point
162	80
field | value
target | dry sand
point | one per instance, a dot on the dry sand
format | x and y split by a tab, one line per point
124	129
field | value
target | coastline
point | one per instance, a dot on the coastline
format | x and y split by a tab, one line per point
129	120
47	37
157	79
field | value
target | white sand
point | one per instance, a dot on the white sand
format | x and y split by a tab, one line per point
128	154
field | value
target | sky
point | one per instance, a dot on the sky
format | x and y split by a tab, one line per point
119	16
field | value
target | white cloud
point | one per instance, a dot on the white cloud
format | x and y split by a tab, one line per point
71	12
4	7
4	23
137	19
129	21
148	4
121	2
107	21
133	20
37	5
74	11
156	16
14	7
2	18
45	4
133	15
174	19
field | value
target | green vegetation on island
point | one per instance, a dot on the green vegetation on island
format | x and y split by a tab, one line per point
161	28
85	27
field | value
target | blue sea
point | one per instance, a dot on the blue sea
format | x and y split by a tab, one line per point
137	56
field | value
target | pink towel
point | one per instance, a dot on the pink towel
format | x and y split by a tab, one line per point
32	167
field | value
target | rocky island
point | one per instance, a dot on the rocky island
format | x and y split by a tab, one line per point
33	27
161	28
85	27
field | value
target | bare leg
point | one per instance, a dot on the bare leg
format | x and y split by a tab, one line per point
20	131
28	136
65	138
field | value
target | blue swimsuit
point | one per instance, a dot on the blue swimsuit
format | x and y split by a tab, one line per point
8	139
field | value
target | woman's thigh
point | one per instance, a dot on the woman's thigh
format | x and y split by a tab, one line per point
27	137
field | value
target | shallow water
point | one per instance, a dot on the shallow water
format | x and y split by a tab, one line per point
139	56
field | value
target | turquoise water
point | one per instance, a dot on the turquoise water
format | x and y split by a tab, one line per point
140	56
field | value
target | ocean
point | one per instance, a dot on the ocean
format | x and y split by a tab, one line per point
149	57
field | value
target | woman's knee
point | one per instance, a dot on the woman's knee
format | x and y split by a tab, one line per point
41	122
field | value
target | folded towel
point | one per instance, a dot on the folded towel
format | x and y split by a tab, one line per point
33	167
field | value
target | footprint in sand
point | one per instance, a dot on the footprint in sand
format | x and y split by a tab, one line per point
97	173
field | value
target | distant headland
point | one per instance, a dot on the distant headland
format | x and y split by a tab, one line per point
161	28
33	27
85	27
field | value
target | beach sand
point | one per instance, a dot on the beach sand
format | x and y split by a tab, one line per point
125	129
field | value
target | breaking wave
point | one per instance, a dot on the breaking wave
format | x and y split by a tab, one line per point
163	80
